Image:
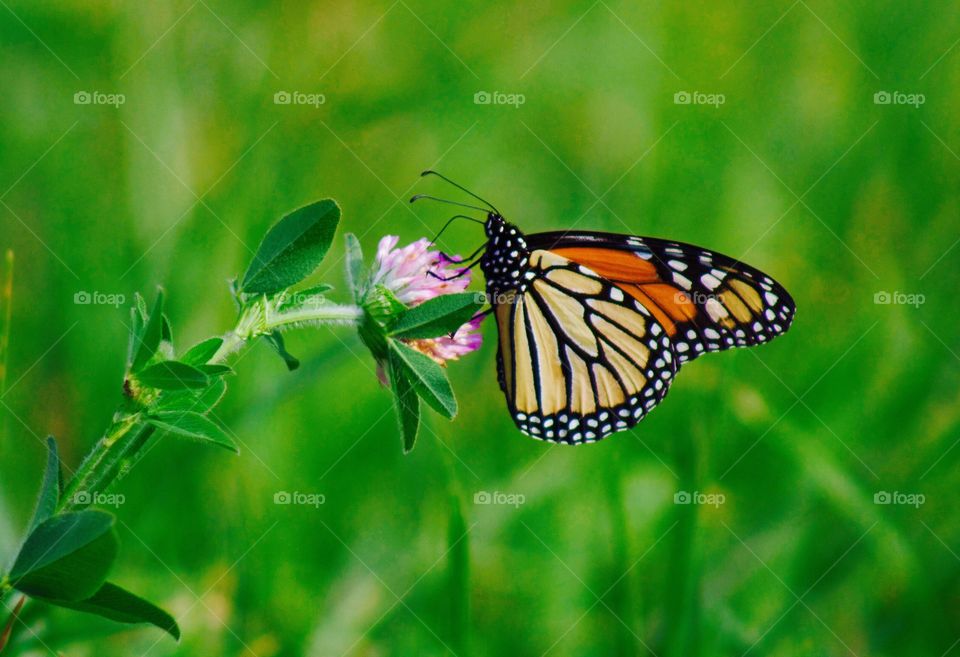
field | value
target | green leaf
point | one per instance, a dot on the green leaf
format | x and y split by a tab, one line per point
292	249
136	330
311	296
120	605
173	375
198	401
356	271
406	403
428	378
66	557
149	339
439	316
275	340
381	307
192	425
140	305
166	332
201	353
50	489
216	370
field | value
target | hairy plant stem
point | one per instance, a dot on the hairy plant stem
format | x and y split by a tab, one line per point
124	441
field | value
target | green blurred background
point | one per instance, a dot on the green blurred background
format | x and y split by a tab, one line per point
800	171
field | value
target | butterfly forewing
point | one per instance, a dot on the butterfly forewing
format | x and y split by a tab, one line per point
578	358
704	300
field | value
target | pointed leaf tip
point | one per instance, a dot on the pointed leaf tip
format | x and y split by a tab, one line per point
292	249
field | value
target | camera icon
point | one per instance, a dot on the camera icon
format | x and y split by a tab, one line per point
882	98
882	298
82	98
681	497
482	98
282	497
82	298
682	98
82	497
882	497
482	497
282	98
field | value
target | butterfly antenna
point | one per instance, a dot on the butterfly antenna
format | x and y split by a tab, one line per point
448	202
450	221
430	172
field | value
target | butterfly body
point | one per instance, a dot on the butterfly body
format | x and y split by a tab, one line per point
594	326
506	257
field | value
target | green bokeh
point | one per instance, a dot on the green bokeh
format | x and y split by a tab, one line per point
799	172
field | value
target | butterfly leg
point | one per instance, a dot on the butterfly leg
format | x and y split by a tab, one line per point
457	261
459	274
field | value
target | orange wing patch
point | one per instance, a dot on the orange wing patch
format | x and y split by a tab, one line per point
619	266
639	278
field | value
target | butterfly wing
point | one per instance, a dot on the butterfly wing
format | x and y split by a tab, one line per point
704	300
578	359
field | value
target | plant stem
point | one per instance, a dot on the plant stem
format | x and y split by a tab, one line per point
100	468
121	446
327	313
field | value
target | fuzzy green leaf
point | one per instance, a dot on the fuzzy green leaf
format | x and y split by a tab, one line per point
166	331
140	305
198	401
406	403
275	340
66	557
428	378
292	249
356	271
50	489
149	338
173	375
120	605
192	425
201	353
441	315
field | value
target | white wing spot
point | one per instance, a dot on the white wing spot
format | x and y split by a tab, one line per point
710	281
682	281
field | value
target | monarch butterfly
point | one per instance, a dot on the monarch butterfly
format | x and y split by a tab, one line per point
594	326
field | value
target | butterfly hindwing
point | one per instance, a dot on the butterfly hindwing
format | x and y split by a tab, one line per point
578	358
704	300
